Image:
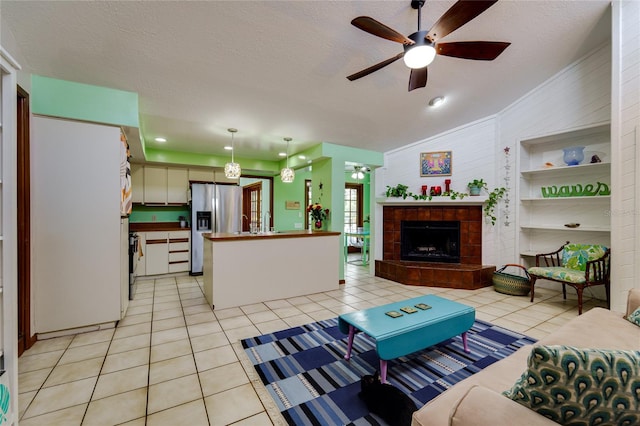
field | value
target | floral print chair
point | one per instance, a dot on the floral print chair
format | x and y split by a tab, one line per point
575	265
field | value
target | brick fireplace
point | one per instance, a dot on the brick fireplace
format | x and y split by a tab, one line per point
469	273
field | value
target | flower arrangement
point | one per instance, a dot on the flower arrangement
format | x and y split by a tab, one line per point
318	214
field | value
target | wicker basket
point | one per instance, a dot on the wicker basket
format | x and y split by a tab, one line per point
514	285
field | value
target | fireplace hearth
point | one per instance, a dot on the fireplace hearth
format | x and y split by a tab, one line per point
430	241
446	261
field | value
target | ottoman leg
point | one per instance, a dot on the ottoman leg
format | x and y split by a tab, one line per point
352	331
383	371
464	342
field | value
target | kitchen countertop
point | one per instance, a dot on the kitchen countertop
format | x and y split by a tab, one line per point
156	226
266	235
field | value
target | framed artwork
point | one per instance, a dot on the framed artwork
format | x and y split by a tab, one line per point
435	163
292	205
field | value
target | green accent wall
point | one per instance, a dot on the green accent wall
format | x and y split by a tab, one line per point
284	219
67	99
162	214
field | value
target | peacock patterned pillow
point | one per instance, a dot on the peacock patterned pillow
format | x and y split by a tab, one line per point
576	256
581	387
634	317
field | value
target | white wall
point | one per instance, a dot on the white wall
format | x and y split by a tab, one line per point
473	157
625	134
577	96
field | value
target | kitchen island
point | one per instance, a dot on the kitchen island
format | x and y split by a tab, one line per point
242	269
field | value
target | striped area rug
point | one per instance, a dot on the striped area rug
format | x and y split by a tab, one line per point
312	384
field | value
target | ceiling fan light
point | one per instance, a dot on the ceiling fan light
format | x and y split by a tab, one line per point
419	56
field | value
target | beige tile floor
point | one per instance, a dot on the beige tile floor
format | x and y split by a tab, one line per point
174	361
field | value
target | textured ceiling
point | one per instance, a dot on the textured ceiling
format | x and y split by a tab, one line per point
276	69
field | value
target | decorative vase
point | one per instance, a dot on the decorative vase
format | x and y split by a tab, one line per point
318	224
573	155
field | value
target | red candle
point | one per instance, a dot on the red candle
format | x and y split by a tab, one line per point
424	189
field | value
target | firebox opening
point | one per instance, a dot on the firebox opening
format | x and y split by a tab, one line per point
430	241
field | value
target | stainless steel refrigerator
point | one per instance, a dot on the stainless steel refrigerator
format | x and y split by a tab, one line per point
214	208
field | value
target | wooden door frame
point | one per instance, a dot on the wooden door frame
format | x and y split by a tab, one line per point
246	204
25	339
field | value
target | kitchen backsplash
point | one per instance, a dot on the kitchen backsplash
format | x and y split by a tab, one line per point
158	214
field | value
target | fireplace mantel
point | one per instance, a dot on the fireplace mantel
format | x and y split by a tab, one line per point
435	201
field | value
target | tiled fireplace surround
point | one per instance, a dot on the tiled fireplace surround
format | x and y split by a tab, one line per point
468	274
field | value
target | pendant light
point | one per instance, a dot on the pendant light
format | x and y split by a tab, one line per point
232	170
287	174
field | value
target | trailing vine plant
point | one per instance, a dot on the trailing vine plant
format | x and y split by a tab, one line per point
492	202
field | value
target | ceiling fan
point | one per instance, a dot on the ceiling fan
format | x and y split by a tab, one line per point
421	47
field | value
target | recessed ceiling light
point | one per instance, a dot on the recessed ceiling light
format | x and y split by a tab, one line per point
302	157
228	148
282	154
436	102
161	140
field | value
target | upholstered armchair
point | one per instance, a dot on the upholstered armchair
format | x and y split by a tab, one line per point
576	265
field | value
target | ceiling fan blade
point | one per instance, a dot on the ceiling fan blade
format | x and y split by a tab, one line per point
478	50
459	14
375	67
376	28
418	78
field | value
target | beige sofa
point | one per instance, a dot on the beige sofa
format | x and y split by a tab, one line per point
477	400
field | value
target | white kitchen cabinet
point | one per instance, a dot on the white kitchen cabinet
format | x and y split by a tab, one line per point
201	175
179	251
177	185
165	252
541	219
157	245
155	185
137	183
219	177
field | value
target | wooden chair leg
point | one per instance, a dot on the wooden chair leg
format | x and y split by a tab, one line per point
532	281
579	290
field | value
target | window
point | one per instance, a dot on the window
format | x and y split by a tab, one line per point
352	206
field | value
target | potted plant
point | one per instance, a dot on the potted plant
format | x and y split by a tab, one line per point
476	185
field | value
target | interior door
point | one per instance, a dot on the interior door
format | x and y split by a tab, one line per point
251	206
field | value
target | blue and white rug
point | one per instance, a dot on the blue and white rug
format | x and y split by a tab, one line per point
312	384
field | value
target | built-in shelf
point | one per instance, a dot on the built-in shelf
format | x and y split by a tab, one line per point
564	199
566	170
541	220
564	228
